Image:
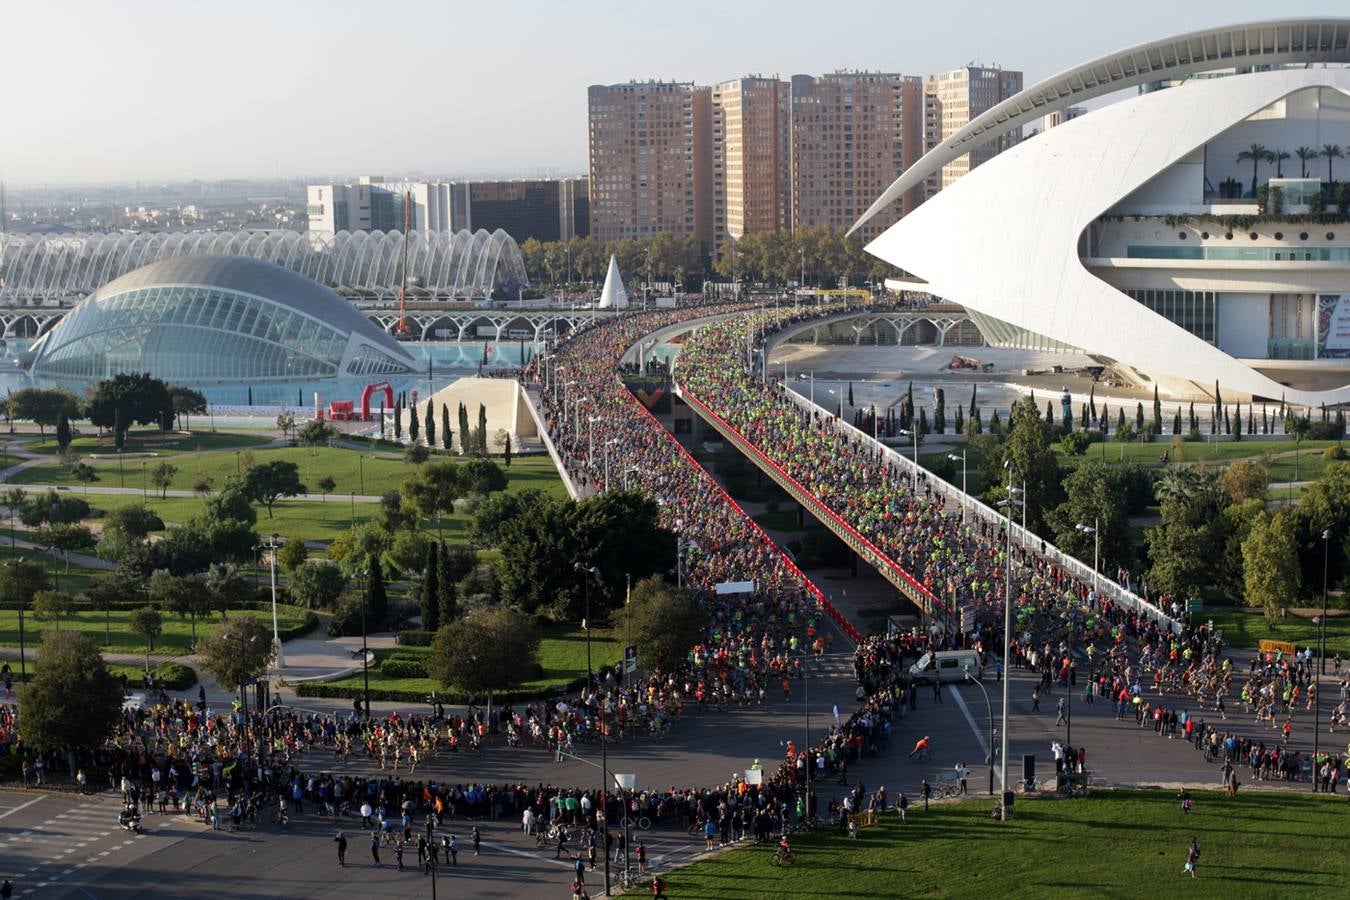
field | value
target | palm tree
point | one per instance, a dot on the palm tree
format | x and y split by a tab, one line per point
1331	151
1257	153
1304	154
1279	156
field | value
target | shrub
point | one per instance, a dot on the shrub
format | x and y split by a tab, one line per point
1076	442
174	677
403	668
415	638
346	619
1337	452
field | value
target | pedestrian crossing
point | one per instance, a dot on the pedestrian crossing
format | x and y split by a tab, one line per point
61	837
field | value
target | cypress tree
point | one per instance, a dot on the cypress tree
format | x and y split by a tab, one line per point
431	423
1324	412
1251	420
466	436
1176	422
447	436
1157	410
1083	418
63	436
1227	422
958	422
972	401
909	400
923	420
1195	423
1340	424
379	600
1237	423
414	424
398	420
1120	420
1265	420
506	452
1092	401
850	394
1105	420
448	593
940	413
1139	417
978	420
482	429
1049	413
431	594
995	423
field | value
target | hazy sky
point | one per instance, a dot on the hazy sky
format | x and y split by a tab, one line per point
158	90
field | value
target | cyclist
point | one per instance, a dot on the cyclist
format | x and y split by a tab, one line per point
920	748
784	848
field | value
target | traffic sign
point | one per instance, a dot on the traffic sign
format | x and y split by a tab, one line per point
629	659
1195	605
968	619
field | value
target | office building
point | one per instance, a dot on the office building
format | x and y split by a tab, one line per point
959	96
650	160
853	133
372	204
543	209
751	157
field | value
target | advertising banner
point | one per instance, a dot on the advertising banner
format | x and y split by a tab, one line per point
1333	326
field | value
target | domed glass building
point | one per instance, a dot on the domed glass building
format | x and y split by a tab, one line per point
216	319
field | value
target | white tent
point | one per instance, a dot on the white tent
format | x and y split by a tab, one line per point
613	296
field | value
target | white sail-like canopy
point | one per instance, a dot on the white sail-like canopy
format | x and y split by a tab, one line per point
613	296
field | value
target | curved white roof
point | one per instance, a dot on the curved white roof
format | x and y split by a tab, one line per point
1277	42
1003	240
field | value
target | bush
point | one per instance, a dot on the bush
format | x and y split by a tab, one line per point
346	619
1076	442
1322	431
174	677
1337	452
415	638
310	622
403	668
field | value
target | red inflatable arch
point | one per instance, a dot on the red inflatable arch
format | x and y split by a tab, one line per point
372	388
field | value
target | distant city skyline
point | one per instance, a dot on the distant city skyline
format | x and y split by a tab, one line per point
156	91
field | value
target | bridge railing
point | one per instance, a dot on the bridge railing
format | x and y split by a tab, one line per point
893	572
1120	595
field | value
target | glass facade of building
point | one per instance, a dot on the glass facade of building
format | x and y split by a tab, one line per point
184	332
1195	311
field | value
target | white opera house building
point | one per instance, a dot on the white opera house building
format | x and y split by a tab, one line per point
1194	231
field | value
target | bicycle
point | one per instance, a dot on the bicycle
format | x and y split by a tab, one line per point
784	858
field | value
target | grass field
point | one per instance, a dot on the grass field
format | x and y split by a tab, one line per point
153	441
1246	628
292	518
73	582
175	640
354	472
1112	844
562	655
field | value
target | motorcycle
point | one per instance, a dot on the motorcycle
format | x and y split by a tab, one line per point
130	820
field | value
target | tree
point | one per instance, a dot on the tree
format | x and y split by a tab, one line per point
291	554
379	600
1258	154
65	539
186	403
447	436
430	423
502	439
1179	553
126	398
489	649
44	407
416	454
315	433
270	481
183	595
53	606
162	477
452	564
465	435
1033	462
1330	152
134	521
414	424
148	623
286	422
1244	480
480	434
433	490
227	588
73	701
398	420
85	474
1270	564
1096	496
21	580
237	651
482	477
325	484
1305	155
664	622
315	584
108	589
431	594
63	435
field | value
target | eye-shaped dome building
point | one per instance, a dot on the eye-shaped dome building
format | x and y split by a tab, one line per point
216	319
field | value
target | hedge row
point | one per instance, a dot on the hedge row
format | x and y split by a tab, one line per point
172	676
404	668
516	695
415	638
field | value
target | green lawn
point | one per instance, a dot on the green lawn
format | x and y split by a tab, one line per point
562	655
354	472
153	441
1112	844
292	518
175	640
1246	628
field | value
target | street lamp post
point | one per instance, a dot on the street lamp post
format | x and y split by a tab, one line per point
990	707
914	476
365	651
962	457
276	629
18	596
586	572
1007	662
1321	660
243	676
1095	530
626	784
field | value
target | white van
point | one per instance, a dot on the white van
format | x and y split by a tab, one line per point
946	665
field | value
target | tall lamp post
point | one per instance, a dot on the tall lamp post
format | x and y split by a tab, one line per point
1007	662
914	475
273	544
627	784
243	676
586	572
1095	530
953	457
18	596
365	651
990	707
1321	659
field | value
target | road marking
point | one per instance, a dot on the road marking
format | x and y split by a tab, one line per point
10	812
965	711
528	855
